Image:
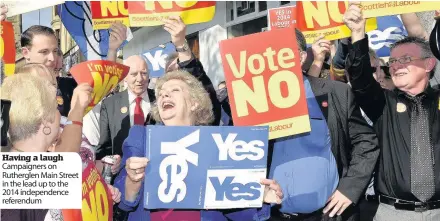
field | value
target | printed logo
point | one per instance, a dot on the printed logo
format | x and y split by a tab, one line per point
238	150
177	164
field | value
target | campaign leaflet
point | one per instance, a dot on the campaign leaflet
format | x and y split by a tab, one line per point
205	167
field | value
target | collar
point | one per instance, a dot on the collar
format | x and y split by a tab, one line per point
132	97
429	92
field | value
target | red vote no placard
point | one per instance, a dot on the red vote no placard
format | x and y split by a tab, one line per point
265	82
97	203
102	75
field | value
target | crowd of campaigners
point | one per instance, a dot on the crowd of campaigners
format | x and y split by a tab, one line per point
373	152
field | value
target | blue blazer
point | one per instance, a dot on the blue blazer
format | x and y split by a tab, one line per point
134	146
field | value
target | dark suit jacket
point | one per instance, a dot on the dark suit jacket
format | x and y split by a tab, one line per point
66	86
354	142
114	125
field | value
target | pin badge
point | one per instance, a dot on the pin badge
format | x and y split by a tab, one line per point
401	107
124	110
60	100
324	104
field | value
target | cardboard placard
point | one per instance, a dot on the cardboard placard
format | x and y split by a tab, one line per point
151	13
220	167
7	47
156	59
265	82
325	18
105	13
97	203
102	75
283	17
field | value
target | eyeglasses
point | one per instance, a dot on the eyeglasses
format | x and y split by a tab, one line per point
403	60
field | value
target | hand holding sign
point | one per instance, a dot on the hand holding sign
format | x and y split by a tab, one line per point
116	194
320	48
355	21
177	29
272	191
82	96
118	34
136	168
3	11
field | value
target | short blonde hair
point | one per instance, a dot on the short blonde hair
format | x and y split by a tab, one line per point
35	70
33	101
203	114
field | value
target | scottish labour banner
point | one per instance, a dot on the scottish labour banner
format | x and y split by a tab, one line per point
205	167
315	18
151	13
377	9
105	13
265	82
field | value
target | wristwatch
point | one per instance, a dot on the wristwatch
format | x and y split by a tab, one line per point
183	48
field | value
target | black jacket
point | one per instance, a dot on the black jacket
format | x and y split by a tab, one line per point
66	87
354	143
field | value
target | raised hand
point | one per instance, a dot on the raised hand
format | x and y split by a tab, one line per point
177	29
3	11
118	34
320	48
355	21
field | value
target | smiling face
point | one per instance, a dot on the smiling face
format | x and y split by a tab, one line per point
137	78
175	104
412	77
43	50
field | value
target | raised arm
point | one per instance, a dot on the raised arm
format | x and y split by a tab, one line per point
368	93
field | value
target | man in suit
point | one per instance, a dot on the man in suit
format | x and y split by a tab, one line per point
125	109
324	172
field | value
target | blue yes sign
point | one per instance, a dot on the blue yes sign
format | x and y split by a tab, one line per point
205	167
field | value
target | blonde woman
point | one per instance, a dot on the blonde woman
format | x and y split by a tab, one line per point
181	101
21	94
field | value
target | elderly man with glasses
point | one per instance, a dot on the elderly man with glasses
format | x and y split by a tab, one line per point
406	120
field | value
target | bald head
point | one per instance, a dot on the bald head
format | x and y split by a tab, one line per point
137	78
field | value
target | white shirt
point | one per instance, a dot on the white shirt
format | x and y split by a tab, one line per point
145	105
91	125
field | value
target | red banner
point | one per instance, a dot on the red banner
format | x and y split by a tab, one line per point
105	13
7	47
97	204
315	18
265	82
284	17
102	75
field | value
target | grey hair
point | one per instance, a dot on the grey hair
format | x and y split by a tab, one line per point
203	115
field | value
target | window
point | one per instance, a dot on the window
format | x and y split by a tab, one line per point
262	6
244	7
246	28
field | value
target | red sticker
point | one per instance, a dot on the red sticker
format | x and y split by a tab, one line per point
324	104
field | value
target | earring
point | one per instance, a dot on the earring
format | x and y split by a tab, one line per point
46	130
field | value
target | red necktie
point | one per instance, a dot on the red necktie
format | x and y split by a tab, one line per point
138	113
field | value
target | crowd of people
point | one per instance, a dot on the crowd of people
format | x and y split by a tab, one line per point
373	152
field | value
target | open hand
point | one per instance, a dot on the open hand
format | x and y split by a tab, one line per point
338	203
118	34
272	191
177	29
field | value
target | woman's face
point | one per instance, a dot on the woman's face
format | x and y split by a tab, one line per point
174	103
